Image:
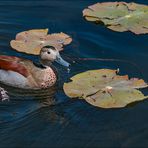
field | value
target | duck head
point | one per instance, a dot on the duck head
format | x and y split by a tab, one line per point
49	54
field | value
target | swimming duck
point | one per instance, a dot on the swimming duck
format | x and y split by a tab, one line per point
24	73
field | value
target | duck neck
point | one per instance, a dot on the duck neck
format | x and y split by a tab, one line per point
45	63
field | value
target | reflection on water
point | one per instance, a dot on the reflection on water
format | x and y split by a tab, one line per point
29	94
27	121
24	101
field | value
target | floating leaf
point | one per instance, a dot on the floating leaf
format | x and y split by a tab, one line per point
119	16
32	41
104	88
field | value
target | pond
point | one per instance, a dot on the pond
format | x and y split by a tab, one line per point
24	122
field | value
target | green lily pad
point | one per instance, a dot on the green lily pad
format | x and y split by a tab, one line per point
104	88
119	16
32	41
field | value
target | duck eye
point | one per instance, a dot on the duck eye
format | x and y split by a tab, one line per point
48	52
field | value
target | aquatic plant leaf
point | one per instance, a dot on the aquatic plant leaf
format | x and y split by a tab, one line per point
119	16
32	41
104	88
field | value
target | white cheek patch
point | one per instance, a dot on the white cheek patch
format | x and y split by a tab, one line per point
53	54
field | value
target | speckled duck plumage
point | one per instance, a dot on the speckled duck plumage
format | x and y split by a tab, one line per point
24	73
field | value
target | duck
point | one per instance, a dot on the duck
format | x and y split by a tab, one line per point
24	73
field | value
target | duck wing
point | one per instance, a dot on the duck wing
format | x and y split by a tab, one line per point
12	63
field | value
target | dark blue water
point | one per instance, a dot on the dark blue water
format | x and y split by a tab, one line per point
72	123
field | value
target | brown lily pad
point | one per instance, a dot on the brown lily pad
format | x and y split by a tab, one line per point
119	16
104	88
32	41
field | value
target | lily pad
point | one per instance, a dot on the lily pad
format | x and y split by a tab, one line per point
32	41
119	16
104	88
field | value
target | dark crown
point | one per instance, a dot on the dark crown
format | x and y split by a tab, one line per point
48	46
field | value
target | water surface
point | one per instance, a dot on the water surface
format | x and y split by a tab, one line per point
72	123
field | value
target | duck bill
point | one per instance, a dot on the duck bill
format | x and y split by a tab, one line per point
61	61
